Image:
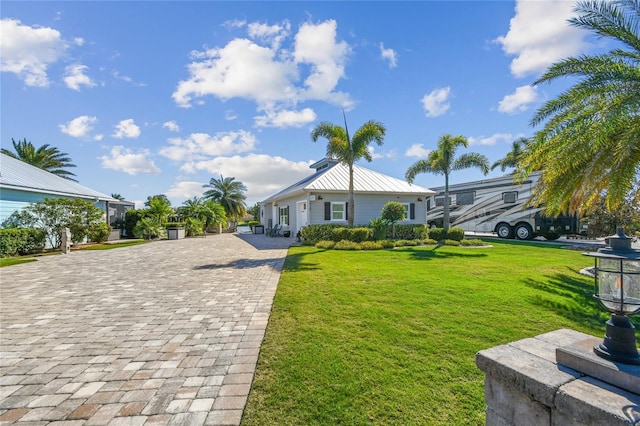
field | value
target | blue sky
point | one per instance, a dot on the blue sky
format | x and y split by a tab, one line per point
159	97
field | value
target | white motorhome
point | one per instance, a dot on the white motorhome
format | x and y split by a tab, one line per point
498	205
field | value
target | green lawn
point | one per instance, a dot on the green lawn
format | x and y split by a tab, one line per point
390	337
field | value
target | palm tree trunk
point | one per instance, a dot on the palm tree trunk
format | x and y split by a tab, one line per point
445	215
350	206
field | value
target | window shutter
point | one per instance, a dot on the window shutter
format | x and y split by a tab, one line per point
346	211
327	210
412	211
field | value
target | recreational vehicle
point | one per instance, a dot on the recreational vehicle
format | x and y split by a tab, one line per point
499	205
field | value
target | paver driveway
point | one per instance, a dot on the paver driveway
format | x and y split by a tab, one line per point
161	333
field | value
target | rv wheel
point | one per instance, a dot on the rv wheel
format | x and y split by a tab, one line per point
504	231
524	232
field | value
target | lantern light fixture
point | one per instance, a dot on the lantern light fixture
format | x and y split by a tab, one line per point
617	288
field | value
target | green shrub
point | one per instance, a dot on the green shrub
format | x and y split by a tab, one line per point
472	242
371	245
315	233
21	241
339	234
325	244
347	245
379	229
429	242
387	244
451	243
98	232
411	232
403	243
456	234
193	227
253	223
131	219
437	234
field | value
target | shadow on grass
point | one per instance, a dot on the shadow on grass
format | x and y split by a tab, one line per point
582	309
438	253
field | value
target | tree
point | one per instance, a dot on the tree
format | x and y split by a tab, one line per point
588	148
54	214
255	211
117	197
229	193
347	150
208	212
603	222
442	161
45	158
513	157
159	209
392	212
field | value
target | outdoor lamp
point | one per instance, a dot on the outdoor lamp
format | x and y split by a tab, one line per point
617	288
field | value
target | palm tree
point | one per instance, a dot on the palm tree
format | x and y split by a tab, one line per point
588	148
45	158
348	150
442	162
117	197
513	157
229	193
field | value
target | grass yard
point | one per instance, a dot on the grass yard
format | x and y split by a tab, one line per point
390	336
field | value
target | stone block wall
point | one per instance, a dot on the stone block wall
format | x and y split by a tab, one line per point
524	385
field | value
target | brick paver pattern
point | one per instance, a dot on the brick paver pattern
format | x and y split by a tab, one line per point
165	333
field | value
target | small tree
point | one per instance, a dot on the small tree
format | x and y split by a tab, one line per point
393	212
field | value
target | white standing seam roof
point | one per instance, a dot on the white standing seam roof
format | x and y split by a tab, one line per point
335	178
18	175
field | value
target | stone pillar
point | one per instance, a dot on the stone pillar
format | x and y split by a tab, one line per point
555	379
66	240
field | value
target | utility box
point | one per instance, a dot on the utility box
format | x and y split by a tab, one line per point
258	229
175	233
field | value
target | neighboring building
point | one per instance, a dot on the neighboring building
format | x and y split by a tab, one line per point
322	198
22	184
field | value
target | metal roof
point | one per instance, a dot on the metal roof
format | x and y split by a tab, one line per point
18	175
335	178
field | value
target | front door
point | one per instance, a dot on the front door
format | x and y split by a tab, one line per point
301	215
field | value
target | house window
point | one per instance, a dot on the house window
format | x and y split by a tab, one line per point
440	201
406	211
409	211
510	197
284	215
338	211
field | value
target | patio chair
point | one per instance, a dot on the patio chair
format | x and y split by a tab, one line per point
276	231
269	228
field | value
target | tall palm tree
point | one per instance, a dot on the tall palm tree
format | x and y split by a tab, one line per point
589	146
442	161
347	150
45	158
117	196
229	193
513	157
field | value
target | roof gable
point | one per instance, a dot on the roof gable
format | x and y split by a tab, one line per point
335	178
18	175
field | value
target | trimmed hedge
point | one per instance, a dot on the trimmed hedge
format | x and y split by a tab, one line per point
15	242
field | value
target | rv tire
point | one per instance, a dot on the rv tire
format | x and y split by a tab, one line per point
523	231
504	231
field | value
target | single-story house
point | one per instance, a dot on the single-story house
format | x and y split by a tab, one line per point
322	198
22	184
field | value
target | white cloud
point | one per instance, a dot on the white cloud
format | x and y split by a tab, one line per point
185	190
171	125
283	119
199	146
126	129
126	78
79	127
271	34
389	55
28	51
519	100
436	103
127	161
270	75
491	140
263	175
75	77
540	35
376	156
417	150
230	115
